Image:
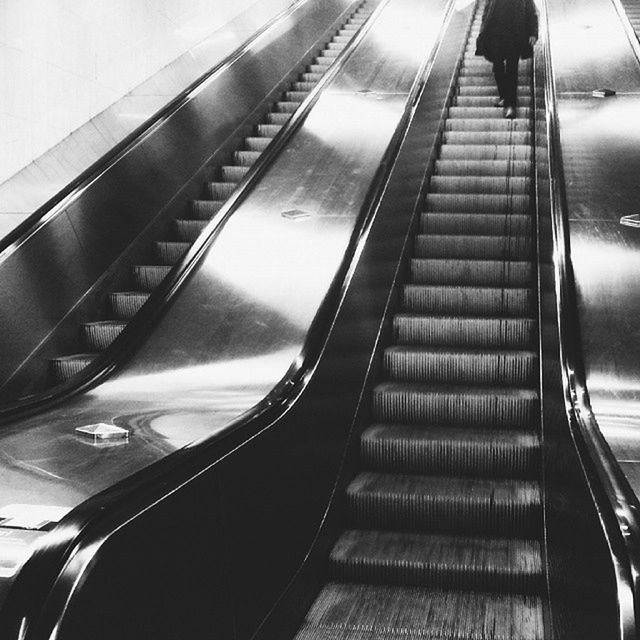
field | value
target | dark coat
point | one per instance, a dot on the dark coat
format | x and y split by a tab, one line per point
506	28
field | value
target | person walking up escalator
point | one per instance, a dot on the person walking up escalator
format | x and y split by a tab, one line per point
508	32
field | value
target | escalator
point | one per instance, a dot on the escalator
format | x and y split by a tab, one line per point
111	247
444	519
416	445
97	335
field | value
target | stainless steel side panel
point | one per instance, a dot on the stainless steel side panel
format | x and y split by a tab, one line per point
600	140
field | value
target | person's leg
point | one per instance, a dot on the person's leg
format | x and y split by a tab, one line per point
499	75
511	82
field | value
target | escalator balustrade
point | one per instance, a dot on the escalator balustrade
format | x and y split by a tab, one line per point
123	305
444	518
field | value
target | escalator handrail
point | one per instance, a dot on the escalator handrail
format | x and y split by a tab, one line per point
135	330
68	194
79	535
619	508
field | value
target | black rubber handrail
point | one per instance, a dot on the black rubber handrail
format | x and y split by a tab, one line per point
85	528
619	515
62	199
114	356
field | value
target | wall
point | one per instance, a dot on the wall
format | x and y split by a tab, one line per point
64	61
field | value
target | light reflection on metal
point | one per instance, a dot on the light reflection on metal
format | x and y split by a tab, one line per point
31	516
631	221
603	93
296	214
103	432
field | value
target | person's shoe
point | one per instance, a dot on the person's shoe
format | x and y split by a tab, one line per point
500	102
510	113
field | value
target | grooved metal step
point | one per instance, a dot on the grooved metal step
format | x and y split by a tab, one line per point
440	504
454	223
477	202
414	403
448	562
169	253
486	167
470	301
449	450
205	209
125	304
446	365
479	184
384	612
188	230
99	335
473	247
63	368
460	331
478	273
148	277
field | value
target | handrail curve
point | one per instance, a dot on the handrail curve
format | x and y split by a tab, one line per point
617	507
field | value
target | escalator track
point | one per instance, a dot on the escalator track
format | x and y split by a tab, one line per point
444	525
122	306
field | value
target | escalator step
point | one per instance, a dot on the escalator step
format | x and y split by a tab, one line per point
450	223
279	118
489	90
477	203
438	504
488	80
125	304
188	230
220	190
485	112
473	247
383	612
459	331
483	167
312	77
393	448
469	301
485	407
99	335
506	138
341	39
233	173
457	149
287	107
169	253
480	184
477	273
446	365
246	158
490	124
295	96
65	367
148	277
330	53
268	130
322	62
258	145
449	562
305	87
205	209
487	101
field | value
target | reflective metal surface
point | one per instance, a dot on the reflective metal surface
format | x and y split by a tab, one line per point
249	307
239	323
600	141
56	274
